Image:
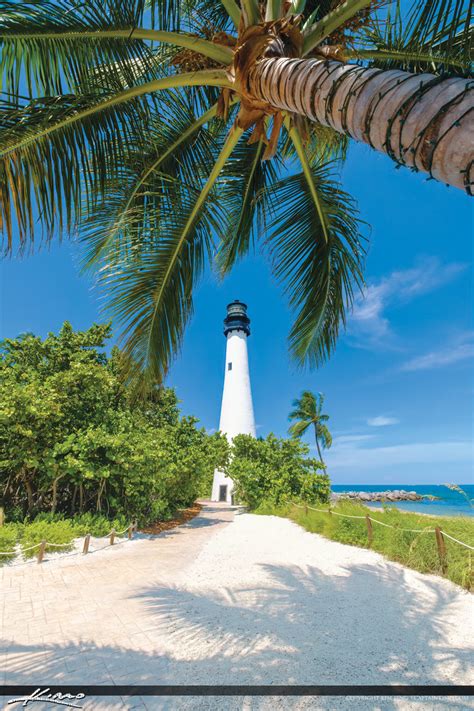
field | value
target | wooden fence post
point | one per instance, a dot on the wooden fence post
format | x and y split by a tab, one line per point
41	551
87	540
370	534
441	548
306	508
2	516
112	536
130	531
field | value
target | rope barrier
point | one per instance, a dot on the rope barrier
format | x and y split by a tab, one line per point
117	533
387	525
68	545
456	541
396	528
37	545
347	515
120	533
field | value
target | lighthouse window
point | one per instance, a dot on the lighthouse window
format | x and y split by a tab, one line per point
229	366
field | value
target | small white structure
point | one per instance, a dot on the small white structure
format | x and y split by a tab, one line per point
237	408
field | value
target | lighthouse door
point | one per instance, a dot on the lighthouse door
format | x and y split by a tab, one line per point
223	493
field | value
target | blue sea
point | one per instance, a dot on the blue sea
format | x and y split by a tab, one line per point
451	503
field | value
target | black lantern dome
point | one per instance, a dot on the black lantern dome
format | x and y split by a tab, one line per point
237	319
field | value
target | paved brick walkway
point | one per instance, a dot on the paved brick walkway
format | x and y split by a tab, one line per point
83	619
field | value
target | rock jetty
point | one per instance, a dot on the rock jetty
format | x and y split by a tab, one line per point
389	495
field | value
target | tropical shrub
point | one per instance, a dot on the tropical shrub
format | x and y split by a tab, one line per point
75	439
275	470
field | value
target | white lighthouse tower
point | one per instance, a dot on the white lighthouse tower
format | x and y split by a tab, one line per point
237	409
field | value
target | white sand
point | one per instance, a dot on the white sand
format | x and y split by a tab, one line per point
256	601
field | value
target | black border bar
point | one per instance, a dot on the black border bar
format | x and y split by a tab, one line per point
241	690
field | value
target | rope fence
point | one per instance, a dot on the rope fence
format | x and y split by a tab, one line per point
43	545
440	535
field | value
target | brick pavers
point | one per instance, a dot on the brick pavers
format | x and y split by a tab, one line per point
80	619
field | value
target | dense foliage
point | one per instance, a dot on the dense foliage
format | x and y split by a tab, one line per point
412	548
275	470
74	439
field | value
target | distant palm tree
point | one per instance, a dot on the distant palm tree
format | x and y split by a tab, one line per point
307	411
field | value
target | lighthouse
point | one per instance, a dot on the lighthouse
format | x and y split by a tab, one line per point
237	408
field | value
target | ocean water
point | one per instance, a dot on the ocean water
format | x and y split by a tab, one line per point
450	503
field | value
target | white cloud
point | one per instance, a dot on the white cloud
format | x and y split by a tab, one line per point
359	457
438	359
345	440
382	421
368	323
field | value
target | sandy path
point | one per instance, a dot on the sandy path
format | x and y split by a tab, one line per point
250	600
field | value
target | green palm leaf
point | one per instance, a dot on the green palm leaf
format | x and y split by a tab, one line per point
246	177
176	141
150	286
434	37
59	65
50	176
54	146
320	262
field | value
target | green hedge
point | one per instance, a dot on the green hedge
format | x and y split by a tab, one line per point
55	529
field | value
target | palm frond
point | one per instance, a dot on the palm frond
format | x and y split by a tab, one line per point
41	55
48	178
335	16
212	16
150	280
245	177
169	14
317	253
297	429
323	144
177	142
433	36
49	142
324	435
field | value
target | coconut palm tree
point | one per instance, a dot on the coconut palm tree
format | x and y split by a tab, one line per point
308	411
162	130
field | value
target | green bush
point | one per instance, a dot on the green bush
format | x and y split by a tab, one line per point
55	528
275	470
74	438
60	532
8	540
97	525
415	550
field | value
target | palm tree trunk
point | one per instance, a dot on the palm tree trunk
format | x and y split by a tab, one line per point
421	121
317	445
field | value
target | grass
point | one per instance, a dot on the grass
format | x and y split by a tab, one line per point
415	550
54	529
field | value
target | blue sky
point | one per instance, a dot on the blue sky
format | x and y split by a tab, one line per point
399	389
